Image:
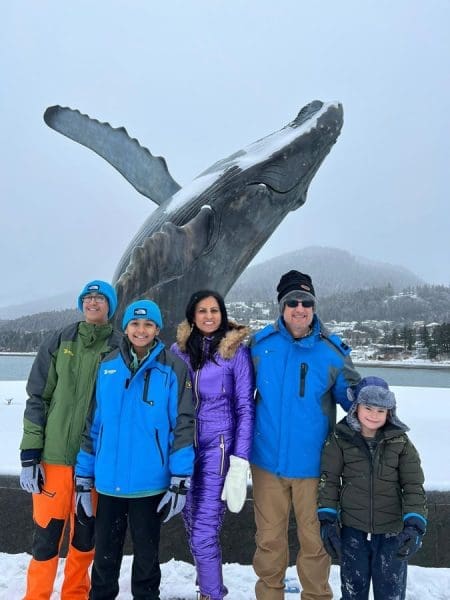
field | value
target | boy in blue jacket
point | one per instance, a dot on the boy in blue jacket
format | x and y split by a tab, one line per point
137	451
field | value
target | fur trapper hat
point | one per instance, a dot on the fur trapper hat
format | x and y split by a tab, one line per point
372	391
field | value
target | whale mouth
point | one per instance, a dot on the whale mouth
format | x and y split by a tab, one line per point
296	177
295	153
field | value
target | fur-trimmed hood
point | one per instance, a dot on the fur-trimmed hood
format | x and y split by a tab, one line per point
235	336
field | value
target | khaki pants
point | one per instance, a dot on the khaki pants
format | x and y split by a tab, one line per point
273	498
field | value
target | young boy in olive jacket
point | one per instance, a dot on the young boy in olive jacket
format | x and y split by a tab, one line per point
372	485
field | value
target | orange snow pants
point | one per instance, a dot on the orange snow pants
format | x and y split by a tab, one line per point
52	509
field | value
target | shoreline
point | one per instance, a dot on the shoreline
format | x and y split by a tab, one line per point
402	364
407	364
17	353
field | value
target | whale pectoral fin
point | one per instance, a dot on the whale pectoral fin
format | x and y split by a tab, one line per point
166	255
147	173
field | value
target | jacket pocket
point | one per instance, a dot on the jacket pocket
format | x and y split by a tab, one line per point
158	445
222	454
146	386
99	441
155	386
389	461
345	490
195	434
227	383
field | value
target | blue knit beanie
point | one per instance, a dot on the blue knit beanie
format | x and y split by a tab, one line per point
142	309
99	287
372	391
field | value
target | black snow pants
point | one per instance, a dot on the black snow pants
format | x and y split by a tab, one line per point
111	521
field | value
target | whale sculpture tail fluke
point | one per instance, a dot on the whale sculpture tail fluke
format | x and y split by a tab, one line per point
148	174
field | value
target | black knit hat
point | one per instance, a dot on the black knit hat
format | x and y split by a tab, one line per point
294	281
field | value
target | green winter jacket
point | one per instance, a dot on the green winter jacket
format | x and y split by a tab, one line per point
60	389
371	494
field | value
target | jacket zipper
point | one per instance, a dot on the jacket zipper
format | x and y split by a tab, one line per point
372	471
197	402
371	498
303	371
222	451
77	379
197	397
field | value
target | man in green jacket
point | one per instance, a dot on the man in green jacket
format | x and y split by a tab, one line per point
60	389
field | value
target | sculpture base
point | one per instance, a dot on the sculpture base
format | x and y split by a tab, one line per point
238	533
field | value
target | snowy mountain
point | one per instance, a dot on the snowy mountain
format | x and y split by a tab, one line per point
59	302
332	271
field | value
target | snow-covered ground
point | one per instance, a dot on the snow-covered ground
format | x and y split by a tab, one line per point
425	410
178	581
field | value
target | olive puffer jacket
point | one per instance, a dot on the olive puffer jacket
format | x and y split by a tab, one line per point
371	493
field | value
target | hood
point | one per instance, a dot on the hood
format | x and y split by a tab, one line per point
235	336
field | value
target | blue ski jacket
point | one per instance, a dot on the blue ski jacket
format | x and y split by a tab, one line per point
298	383
141	428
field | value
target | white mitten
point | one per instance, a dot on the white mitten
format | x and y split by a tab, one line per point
235	486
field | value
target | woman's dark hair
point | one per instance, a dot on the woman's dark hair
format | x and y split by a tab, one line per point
195	345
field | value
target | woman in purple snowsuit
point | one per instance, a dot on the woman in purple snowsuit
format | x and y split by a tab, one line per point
223	384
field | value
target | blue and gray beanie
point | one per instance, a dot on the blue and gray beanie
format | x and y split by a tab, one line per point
99	287
142	309
372	391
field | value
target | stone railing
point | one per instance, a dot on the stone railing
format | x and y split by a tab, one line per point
237	534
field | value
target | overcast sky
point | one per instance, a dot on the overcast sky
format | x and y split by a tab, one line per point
197	80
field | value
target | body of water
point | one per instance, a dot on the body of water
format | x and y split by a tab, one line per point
408	374
17	368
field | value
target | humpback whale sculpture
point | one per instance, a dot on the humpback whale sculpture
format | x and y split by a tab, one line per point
205	234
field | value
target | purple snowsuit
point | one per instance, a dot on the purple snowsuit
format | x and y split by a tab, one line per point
223	396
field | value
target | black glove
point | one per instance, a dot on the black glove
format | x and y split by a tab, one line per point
330	534
83	499
174	500
410	539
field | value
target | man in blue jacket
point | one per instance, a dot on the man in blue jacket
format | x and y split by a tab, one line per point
302	371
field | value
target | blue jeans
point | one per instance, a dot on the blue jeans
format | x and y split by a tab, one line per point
373	559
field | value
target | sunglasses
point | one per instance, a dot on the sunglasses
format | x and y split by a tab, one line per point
295	303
